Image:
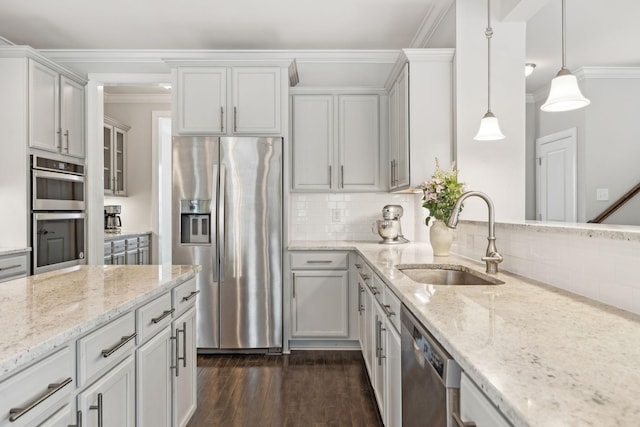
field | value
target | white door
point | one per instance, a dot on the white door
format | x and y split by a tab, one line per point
61	418
393	391
402	162
358	142
153	374
362	316
256	100
379	362
43	107
184	374
112	397
201	101
320	304
312	141
393	134
72	117
556	177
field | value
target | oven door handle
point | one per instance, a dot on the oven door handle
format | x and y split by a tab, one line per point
57	175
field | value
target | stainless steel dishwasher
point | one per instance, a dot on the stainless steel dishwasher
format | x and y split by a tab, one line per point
430	377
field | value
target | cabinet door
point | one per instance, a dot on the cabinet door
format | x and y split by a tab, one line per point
362	316
44	85
358	142
153	381
107	142
143	256
201	98
320	304
393	135
112	397
402	159
72	117
312	142
184	375
119	161
62	418
476	407
393	382
380	362
369	325
132	257
256	100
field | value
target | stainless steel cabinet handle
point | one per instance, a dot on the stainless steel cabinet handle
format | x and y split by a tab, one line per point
177	365
358	266
319	261
235	119
11	267
380	354
184	348
377	339
387	310
59	144
365	277
294	284
360	291
461	423
108	352
15	413
99	408
184	345
221	118
163	315
393	175
66	137
78	420
191	295
330	178
342	176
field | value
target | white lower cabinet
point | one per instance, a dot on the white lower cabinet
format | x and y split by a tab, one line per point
184	375
63	418
110	401
380	361
153	380
476	408
393	382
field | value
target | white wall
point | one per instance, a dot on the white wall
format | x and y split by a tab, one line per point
137	214
494	167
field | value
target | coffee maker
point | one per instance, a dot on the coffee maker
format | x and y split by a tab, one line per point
112	221
389	226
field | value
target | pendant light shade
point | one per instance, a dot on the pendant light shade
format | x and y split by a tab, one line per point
489	127
564	94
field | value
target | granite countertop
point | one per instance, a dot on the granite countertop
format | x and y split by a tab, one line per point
13	251
544	356
39	313
124	234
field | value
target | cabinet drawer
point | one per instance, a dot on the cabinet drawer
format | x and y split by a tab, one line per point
184	296
118	246
13	267
131	243
153	316
104	347
143	241
27	387
392	307
107	248
319	260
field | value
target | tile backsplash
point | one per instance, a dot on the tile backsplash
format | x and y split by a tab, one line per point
593	265
350	216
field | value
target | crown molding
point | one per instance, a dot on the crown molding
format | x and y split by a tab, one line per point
15	51
341	90
417	55
137	98
436	12
608	72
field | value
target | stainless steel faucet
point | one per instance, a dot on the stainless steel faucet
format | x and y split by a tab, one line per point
493	257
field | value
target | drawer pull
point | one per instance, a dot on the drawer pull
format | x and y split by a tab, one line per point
108	352
387	310
319	261
358	266
191	295
11	267
460	423
163	315
16	413
99	408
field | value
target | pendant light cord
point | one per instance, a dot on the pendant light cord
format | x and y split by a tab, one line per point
489	33
564	37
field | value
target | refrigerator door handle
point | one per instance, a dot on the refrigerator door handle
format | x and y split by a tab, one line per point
221	222
213	234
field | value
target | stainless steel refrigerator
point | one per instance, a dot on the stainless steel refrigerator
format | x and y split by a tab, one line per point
227	217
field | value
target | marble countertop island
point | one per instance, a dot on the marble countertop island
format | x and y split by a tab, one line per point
41	312
544	356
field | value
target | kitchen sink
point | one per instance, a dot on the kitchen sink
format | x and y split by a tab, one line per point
446	274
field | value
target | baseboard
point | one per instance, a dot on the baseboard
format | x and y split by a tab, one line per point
324	345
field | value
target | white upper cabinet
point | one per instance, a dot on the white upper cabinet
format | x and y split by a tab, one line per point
256	100
336	142
227	101
420	91
56	112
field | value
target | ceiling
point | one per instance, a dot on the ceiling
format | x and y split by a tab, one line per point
217	24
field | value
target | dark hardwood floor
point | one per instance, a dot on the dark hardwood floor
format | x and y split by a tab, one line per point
305	388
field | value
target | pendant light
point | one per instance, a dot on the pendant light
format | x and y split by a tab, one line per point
489	127
564	94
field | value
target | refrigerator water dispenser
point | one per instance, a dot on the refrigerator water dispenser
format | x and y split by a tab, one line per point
195	221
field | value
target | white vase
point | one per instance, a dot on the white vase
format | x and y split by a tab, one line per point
441	238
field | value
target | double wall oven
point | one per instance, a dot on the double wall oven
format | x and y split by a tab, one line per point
57	214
